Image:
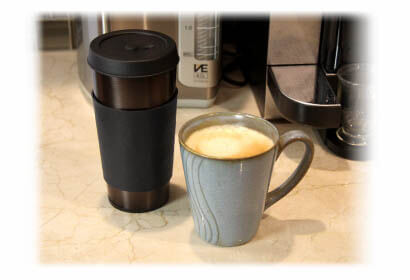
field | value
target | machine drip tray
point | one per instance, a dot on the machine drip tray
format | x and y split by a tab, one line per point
304	94
340	148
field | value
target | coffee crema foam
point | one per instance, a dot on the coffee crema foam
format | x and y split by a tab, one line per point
229	141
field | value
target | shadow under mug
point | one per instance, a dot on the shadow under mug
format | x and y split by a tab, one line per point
228	196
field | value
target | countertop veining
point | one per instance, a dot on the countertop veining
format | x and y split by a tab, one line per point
318	222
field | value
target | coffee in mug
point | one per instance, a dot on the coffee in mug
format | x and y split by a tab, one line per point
229	141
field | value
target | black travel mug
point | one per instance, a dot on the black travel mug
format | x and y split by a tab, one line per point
134	99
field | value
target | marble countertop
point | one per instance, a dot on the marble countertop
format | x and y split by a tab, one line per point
318	222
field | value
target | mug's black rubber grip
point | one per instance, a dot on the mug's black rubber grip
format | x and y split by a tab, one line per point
136	146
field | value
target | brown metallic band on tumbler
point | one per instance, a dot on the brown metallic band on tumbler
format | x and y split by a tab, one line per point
137	202
136	93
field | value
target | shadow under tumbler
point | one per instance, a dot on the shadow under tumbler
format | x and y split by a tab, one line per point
135	100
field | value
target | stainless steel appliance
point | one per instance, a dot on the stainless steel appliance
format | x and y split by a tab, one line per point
291	63
198	42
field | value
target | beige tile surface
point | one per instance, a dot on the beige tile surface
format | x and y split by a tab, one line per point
318	222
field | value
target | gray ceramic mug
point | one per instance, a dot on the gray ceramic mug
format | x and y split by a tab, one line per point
228	196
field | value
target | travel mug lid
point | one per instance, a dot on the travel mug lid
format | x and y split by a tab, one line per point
132	53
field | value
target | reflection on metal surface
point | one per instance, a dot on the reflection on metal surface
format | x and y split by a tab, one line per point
297	82
164	23
90	26
302	94
293	39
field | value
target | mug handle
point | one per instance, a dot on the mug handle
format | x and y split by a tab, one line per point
297	175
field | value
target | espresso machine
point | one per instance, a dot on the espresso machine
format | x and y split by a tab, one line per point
310	70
